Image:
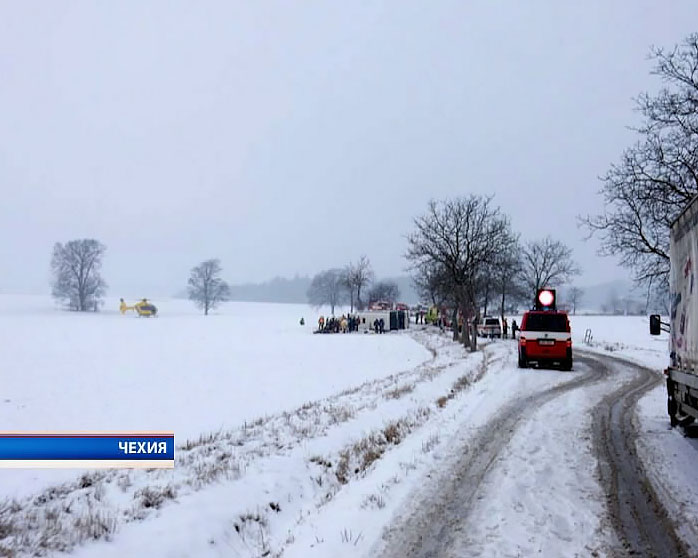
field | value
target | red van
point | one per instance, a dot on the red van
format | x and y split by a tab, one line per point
545	338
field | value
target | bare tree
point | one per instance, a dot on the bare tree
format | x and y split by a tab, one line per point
658	176
387	291
205	287
356	277
431	283
327	287
576	295
459	237
503	276
346	280
545	263
76	267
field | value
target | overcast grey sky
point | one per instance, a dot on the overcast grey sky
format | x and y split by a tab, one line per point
288	137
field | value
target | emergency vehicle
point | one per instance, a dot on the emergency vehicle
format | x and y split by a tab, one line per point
545	336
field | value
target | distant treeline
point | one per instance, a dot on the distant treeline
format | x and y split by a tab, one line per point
278	289
281	289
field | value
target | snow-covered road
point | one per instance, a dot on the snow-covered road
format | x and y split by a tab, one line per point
637	514
518	486
527	483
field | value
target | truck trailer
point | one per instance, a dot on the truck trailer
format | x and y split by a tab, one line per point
682	373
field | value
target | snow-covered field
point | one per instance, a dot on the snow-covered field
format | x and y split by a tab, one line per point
298	444
627	337
180	372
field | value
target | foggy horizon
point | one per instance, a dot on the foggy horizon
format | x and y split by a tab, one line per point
288	139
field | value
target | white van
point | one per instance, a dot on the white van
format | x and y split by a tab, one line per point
490	327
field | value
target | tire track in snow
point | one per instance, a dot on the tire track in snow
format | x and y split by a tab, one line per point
637	515
438	522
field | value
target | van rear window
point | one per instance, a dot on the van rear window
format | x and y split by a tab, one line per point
546	322
492	321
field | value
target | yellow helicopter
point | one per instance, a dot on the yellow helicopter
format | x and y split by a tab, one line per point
143	308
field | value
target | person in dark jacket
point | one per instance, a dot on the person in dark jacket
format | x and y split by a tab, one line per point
381	325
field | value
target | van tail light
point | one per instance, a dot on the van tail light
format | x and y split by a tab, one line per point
569	342
522	341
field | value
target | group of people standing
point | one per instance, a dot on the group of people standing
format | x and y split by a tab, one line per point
345	324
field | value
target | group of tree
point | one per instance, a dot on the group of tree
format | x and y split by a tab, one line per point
657	176
77	279
465	255
338	286
78	282
463	251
